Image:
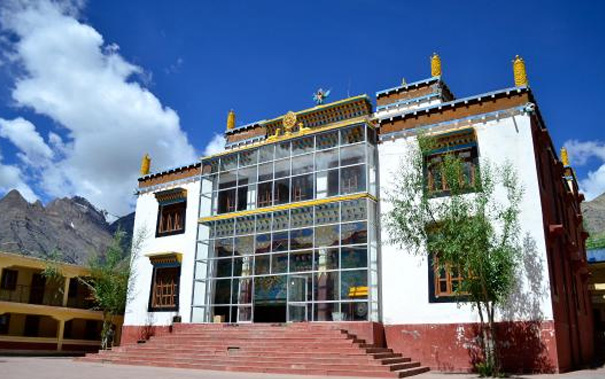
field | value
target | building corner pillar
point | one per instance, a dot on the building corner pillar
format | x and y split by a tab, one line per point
60	332
66	291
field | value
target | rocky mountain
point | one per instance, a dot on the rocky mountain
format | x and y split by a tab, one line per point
71	225
594	215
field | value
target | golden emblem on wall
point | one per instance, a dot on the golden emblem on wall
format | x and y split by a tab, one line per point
289	121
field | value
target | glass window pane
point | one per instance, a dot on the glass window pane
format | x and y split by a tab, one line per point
350	155
226	201
326	312
302	164
244	245
282	150
242	291
280	241
261	264
326	159
227	179
354	210
282	168
280	220
301	239
356	232
223	267
263	243
352	179
326	286
266	153
332	182
228	162
210	167
303	145
223	247
242	266
269	291
265	172
301	261
357	311
302	188
222	291
264	196
326	213
282	191
354	284
248	157
354	257
327	140
300	217
263	222
352	135
279	263
326	259
246	175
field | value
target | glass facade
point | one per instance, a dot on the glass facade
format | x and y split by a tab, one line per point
296	261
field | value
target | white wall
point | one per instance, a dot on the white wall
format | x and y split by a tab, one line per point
145	224
405	297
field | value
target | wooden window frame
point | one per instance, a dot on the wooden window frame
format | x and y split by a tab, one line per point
435	293
160	230
429	170
172	304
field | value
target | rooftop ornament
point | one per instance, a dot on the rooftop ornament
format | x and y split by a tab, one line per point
435	65
320	96
564	157
145	165
520	72
231	120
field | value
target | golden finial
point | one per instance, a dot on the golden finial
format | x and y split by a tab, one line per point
231	120
564	157
435	65
519	72
145	164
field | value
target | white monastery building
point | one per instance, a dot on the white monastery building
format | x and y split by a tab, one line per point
283	229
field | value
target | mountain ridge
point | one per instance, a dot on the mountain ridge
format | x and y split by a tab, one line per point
73	226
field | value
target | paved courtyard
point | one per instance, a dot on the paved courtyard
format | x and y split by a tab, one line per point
66	368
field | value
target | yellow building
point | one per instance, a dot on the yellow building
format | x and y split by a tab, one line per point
39	314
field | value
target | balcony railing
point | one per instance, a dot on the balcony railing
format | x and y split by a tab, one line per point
46	296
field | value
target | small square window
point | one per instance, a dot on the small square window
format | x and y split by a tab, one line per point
165	289
9	279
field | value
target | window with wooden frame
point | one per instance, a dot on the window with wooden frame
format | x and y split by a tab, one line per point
171	212
444	281
461	145
165	289
9	279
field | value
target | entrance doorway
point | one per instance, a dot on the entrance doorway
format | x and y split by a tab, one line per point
299	295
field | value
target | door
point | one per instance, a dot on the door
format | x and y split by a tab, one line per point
299	295
36	294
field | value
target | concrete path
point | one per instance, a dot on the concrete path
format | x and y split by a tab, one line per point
66	368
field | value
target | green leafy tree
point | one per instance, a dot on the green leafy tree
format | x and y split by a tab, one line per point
473	227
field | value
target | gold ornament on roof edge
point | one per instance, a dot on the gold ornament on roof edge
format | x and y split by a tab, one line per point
145	164
564	157
289	122
231	120
435	65
519	72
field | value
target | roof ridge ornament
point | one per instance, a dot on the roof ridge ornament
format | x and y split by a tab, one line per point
145	164
320	96
520	72
231	120
564	157
435	65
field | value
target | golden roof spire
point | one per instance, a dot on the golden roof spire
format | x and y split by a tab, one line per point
145	164
564	157
231	120
435	65
520	72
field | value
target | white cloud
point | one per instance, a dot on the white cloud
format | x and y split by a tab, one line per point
216	145
579	155
22	133
11	177
109	120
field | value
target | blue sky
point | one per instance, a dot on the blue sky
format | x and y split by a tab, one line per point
160	77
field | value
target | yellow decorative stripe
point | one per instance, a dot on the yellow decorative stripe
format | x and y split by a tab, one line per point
340	124
165	257
282	207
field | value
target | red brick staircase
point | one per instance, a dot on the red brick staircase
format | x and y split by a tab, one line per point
311	349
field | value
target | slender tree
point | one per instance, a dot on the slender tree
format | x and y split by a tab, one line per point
471	227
